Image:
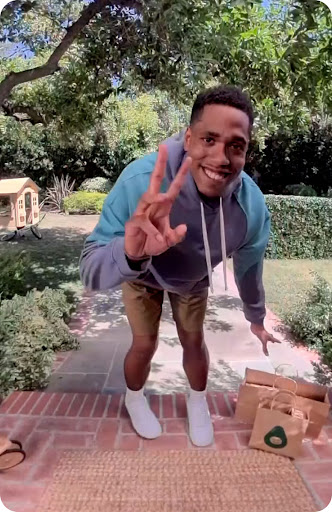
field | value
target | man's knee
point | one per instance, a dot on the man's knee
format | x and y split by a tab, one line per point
145	346
193	341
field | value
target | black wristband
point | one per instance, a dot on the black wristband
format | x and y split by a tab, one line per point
136	264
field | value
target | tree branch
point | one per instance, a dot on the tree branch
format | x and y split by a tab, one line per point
52	65
22	113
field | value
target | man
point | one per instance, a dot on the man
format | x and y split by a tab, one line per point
168	221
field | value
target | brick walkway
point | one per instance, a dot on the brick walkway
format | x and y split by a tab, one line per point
47	423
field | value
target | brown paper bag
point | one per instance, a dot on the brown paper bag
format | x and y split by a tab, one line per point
260	388
280	427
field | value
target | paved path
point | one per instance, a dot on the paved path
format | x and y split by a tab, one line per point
105	338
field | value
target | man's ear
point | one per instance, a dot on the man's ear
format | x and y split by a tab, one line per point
187	138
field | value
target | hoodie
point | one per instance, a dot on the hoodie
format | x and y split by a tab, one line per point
236	225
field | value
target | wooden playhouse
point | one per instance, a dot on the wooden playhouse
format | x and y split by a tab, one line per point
19	205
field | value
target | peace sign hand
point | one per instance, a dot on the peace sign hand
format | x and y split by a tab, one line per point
148	231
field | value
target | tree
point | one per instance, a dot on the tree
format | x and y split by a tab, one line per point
52	64
280	56
127	129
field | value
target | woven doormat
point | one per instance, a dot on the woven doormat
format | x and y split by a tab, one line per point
176	481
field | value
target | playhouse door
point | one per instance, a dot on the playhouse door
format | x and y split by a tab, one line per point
28	207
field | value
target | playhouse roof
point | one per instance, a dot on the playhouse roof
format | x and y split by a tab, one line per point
15	185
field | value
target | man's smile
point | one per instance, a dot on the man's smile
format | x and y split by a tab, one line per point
216	175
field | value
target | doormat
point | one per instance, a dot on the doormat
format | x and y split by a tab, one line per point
176	481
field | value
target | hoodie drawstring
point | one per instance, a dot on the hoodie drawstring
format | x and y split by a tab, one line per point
223	244
207	246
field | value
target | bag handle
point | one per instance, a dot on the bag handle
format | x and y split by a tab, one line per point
280	377
284	392
292	405
286	364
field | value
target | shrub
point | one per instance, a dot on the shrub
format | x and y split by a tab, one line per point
300	227
311	321
99	184
84	202
55	195
31	329
129	128
300	190
294	158
133	126
13	268
53	304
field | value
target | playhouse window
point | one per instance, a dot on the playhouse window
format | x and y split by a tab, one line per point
4	206
20	203
34	201
27	198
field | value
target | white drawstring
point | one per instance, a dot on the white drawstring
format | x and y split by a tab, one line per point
223	243
207	246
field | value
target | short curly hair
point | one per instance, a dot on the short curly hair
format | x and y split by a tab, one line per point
223	95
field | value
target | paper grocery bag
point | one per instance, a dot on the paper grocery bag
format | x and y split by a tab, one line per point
259	388
279	428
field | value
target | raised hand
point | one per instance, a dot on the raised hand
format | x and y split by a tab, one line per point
148	231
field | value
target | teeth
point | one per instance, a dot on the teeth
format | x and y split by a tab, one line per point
214	175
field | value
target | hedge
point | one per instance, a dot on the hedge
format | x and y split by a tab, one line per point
301	227
84	202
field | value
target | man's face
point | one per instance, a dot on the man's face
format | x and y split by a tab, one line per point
217	143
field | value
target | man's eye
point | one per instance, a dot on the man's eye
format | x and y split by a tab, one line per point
208	140
236	146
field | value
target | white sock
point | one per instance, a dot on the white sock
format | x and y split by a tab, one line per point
200	424
144	421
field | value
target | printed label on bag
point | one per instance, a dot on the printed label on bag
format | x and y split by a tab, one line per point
276	438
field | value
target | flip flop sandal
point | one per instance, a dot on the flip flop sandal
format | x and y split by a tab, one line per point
17	443
11	458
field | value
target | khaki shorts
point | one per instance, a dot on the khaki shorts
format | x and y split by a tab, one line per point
144	305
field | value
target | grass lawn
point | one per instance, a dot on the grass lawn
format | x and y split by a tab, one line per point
54	260
284	280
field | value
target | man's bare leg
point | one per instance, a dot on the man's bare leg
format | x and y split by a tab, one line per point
138	360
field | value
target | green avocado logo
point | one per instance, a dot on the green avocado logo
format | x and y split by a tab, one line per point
276	438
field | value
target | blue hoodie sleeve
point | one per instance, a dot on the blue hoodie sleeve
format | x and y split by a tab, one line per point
103	264
248	271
